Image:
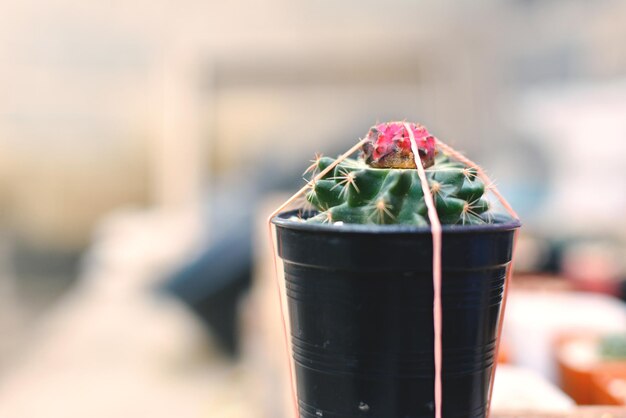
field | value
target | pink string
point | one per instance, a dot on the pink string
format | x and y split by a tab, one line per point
505	294
481	173
294	397
285	319
435	229
485	178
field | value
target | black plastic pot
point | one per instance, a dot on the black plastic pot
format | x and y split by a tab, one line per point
360	300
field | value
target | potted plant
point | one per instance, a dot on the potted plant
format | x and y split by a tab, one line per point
374	333
592	367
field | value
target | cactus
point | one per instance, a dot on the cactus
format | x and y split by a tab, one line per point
613	347
384	188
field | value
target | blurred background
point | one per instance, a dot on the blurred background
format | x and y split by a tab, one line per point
142	145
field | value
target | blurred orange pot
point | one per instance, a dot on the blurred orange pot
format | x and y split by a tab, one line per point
576	358
609	383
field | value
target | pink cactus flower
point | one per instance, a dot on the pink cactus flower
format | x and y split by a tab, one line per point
389	146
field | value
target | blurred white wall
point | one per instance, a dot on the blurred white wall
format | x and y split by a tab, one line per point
107	104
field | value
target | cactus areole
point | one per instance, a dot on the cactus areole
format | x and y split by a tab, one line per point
383	185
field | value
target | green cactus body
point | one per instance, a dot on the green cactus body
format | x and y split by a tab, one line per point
613	347
359	194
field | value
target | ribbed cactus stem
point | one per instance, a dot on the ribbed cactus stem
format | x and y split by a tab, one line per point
356	192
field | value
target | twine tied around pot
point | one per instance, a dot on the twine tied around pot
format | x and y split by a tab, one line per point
436	232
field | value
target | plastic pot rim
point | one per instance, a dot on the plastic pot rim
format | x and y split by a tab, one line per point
282	220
